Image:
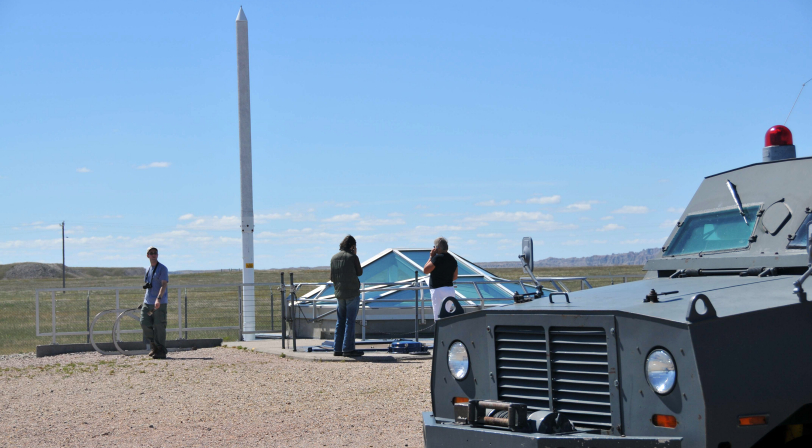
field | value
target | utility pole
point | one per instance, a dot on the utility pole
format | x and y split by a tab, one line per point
246	182
63	254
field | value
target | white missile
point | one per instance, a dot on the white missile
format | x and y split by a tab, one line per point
246	182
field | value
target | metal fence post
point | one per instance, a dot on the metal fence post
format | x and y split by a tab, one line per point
282	309
53	317
293	311
271	289
88	316
416	309
180	321
239	298
363	312
185	313
36	305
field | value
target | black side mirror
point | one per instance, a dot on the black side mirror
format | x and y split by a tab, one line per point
527	252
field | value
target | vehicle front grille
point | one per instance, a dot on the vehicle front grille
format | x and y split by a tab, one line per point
580	365
521	366
578	360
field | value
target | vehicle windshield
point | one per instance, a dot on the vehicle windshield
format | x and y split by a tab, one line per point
714	231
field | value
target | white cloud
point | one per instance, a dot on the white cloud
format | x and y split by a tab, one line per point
505	241
600	241
546	226
632	210
490	235
610	227
212	223
545	200
438	229
511	217
492	203
679	210
374	222
607	218
186	217
574	243
344	218
265	217
669	223
82	170
579	207
154	165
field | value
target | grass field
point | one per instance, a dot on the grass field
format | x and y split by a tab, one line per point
206	306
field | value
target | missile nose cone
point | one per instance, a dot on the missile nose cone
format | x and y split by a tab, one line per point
241	16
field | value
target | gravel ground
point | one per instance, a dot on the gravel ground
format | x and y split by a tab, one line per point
210	397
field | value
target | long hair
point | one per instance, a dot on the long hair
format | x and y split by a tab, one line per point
347	243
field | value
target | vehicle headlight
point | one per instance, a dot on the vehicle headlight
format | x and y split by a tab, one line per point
661	372
458	360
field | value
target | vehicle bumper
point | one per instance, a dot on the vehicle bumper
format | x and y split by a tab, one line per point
447	434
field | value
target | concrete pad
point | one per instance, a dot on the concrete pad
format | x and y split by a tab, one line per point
274	347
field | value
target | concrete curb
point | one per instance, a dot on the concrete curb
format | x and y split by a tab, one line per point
275	348
61	349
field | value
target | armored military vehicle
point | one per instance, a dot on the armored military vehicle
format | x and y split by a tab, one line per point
713	348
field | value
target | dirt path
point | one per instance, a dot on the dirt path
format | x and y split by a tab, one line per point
212	397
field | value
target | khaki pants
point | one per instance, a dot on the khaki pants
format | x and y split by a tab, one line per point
154	325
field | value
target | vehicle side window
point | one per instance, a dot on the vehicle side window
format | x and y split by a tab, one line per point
801	235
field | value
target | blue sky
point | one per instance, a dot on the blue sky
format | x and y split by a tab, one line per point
586	126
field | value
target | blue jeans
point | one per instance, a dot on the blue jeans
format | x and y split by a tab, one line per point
346	309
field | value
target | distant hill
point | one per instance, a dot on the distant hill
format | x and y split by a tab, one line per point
629	258
54	270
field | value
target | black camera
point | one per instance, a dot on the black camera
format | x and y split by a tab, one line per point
147	285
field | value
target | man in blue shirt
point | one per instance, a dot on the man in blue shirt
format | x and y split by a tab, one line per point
153	311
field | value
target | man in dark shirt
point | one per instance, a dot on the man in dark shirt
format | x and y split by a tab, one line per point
442	270
345	268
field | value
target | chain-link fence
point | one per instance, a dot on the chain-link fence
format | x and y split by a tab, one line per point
193	311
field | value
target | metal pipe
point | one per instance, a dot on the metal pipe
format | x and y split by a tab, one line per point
481	299
363	313
271	289
416	298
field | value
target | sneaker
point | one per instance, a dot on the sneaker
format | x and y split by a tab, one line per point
338	354
354	353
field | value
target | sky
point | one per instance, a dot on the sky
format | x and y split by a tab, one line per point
584	125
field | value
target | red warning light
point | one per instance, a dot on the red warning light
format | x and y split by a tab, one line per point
778	136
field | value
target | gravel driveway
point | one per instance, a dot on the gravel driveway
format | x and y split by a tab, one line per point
211	397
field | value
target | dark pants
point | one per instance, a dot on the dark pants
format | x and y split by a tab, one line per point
154	325
347	310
